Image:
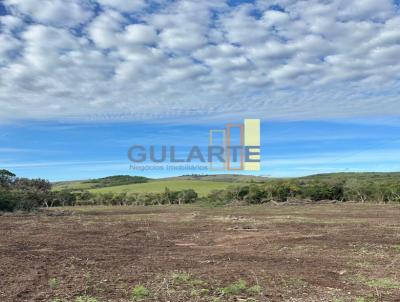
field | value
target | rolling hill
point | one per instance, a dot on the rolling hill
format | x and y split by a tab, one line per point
112	184
202	184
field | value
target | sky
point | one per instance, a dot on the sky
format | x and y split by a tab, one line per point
68	151
82	80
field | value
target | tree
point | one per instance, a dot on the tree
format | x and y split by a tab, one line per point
169	197
62	198
255	195
35	193
355	190
187	196
6	178
237	193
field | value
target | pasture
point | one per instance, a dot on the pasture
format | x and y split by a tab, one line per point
202	187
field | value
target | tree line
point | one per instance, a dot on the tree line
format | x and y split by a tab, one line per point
23	194
350	190
279	191
29	194
168	197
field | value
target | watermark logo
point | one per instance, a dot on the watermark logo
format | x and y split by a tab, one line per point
241	145
237	147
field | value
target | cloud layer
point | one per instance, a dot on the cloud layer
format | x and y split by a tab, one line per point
143	59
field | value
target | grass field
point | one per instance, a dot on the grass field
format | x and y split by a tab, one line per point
202	187
204	184
73	185
314	253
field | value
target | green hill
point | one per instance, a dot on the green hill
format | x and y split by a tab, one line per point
202	187
233	178
203	184
361	176
110	181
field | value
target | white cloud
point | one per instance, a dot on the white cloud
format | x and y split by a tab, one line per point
54	12
275	18
10	23
190	59
366	9
124	5
182	39
8	46
104	29
139	34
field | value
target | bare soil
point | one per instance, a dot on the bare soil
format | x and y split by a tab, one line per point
190	253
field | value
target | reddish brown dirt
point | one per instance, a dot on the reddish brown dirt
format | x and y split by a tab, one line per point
295	253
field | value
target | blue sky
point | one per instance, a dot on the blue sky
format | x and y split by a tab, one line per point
60	151
82	80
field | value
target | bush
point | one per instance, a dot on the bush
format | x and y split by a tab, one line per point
145	199
8	201
355	190
83	198
63	198
187	196
256	195
279	191
23	194
323	191
139	293
218	197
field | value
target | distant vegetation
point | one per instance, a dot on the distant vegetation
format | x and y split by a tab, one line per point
203	188
111	181
236	178
203	185
117	180
27	194
342	187
145	199
365	187
364	176
311	189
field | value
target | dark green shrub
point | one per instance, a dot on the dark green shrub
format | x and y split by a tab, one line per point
281	193
187	196
63	198
117	180
8	201
256	195
323	191
219	197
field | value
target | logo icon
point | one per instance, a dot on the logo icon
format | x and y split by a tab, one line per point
241	144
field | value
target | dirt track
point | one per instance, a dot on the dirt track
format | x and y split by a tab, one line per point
291	253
